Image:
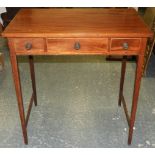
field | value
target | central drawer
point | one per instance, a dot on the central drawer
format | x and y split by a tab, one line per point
77	45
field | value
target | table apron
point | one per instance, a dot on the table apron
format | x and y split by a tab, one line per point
76	46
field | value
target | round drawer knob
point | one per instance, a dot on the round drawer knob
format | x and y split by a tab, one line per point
125	46
28	46
77	46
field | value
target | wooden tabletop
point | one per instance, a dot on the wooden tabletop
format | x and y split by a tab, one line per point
81	22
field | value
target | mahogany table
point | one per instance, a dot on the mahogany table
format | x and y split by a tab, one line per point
77	32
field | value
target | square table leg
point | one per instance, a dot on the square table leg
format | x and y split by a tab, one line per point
32	73
16	77
138	77
123	69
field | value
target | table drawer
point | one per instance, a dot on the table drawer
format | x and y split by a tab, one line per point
77	46
125	44
29	45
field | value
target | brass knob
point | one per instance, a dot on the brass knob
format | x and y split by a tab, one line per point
28	46
77	46
125	46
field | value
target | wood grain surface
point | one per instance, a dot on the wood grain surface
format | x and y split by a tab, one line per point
67	45
79	22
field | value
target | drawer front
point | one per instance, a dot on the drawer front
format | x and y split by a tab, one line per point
125	44
77	46
29	45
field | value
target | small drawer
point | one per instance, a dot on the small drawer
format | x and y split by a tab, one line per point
125	44
29	45
77	45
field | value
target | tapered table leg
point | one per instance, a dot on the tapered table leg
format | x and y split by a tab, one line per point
123	69
138	77
31	63
17	83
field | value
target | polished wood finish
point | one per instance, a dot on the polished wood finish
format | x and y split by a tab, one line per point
77	23
75	32
126	110
138	76
33	79
117	44
29	109
16	78
36	43
66	46
123	69
2	60
87	46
